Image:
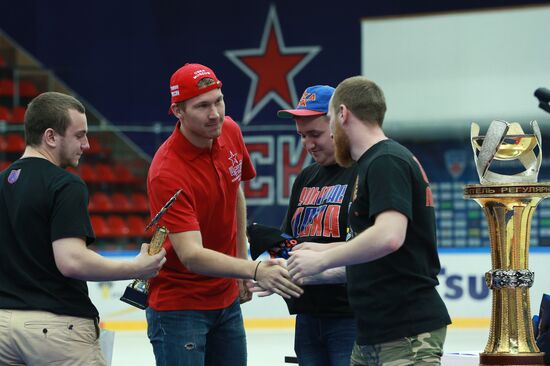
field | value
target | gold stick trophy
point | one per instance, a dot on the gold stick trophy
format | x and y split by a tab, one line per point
136	292
509	202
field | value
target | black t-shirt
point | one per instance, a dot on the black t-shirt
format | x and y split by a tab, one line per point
395	296
41	203
318	212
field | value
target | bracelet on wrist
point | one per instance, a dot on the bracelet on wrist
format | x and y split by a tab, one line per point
256	270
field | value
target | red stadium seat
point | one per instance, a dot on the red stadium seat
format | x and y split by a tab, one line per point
18	114
28	89
101	229
4	165
100	202
88	173
139	202
123	174
3	143
136	225
105	174
121	203
5	114
117	226
95	146
16	143
6	87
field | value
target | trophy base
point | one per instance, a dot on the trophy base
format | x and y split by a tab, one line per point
135	298
529	359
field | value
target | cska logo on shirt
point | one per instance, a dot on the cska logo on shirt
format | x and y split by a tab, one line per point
318	211
236	167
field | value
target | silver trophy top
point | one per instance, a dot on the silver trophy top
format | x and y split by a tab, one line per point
507	141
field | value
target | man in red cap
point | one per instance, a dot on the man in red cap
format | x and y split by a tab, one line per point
194	316
318	211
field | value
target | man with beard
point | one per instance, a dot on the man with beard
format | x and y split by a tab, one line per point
391	253
46	316
194	316
318	211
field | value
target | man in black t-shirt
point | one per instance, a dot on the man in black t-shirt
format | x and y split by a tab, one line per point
46	315
391	253
318	211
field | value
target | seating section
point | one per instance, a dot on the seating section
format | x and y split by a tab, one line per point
28	89
12	116
6	87
18	114
5	114
118	204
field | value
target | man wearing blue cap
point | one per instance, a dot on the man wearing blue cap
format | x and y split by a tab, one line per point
391	254
318	211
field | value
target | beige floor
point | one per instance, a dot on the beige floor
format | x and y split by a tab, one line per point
269	347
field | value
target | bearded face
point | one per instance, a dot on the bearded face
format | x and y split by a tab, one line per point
342	149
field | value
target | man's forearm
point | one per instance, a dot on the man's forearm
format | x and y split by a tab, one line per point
329	276
212	263
384	237
242	247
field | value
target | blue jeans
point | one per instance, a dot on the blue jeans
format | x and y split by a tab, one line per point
324	341
198	337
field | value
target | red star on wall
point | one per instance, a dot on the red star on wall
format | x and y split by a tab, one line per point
272	68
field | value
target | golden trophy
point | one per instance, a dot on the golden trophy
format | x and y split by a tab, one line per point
136	292
509	202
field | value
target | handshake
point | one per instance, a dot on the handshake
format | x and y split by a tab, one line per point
272	275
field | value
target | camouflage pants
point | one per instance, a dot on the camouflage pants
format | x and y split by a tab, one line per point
421	349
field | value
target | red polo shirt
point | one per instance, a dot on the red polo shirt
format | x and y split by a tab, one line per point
209	179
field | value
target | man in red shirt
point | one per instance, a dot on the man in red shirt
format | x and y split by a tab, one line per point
194	315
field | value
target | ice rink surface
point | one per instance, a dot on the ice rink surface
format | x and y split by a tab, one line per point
269	347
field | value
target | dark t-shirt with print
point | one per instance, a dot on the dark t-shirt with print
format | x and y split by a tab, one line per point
395	296
318	212
41	203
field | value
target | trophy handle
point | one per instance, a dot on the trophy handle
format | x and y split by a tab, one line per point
136	292
157	240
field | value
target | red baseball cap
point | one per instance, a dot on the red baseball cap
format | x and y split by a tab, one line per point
184	83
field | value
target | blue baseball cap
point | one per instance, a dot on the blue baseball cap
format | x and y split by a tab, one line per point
314	102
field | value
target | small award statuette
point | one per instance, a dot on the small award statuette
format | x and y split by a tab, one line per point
137	291
509	202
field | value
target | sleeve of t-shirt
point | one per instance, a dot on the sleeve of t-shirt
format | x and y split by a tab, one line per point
390	186
70	217
182	215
